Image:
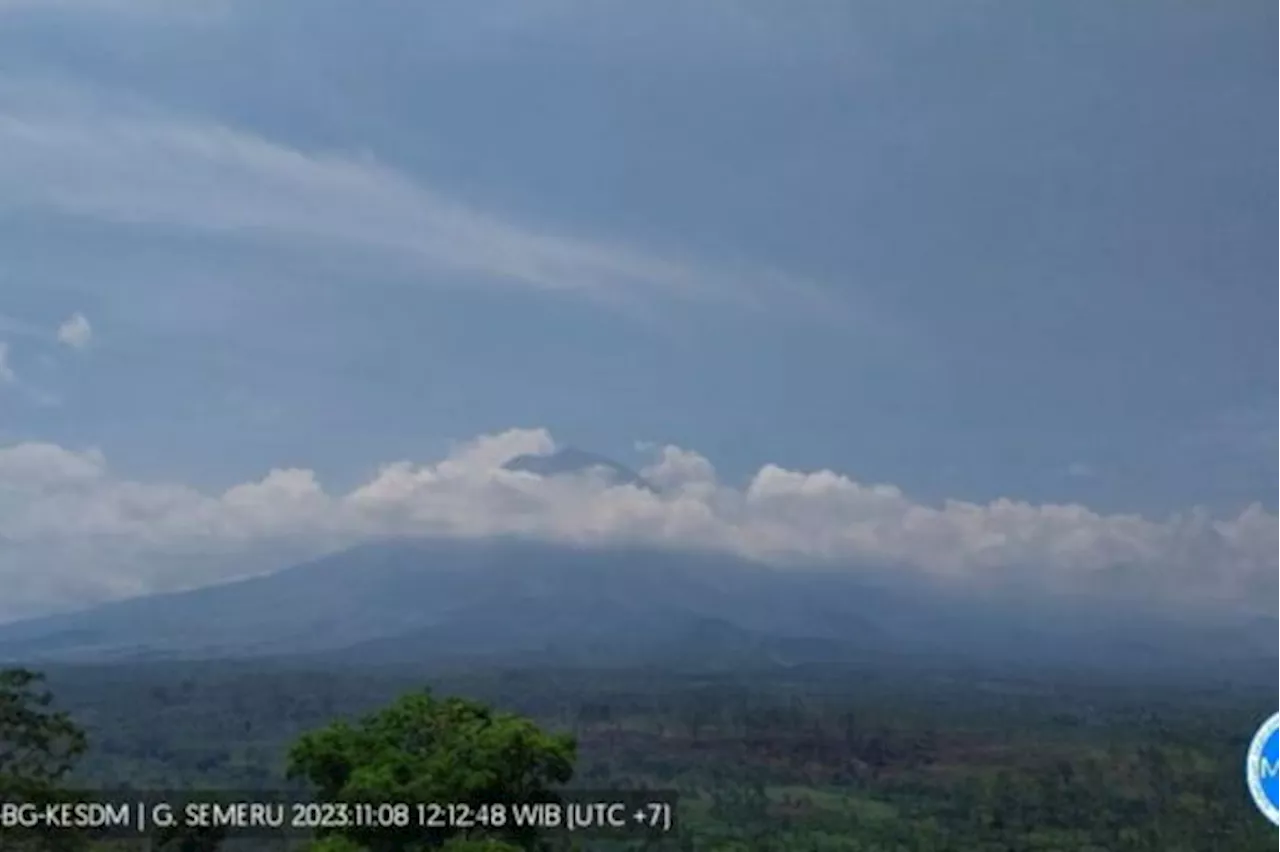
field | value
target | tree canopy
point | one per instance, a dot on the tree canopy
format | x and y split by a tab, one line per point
38	744
422	749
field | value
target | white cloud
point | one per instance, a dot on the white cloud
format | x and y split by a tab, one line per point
75	331
72	531
35	467
6	372
121	161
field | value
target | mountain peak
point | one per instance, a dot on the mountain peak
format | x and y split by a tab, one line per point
573	460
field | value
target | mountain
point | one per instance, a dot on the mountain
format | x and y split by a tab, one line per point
499	592
433	601
572	460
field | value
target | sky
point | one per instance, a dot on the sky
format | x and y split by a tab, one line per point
981	288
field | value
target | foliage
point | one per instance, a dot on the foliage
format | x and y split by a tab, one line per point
39	747
427	750
796	760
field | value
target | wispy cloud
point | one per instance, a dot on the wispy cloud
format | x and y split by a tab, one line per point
11	381
1244	430
1081	470
1231	451
122	162
75	332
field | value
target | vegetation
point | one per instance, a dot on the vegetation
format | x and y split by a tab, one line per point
809	759
421	749
39	746
38	749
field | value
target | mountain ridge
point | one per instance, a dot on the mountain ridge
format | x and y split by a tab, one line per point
423	600
571	460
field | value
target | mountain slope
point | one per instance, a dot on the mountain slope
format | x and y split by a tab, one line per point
511	587
414	601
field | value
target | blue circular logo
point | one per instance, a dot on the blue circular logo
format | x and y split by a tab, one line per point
1260	768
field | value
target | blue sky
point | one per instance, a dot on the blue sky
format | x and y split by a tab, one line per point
977	250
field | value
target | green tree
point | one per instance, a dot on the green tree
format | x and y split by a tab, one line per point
427	750
39	746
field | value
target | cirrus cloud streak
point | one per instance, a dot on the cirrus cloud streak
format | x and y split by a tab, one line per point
107	157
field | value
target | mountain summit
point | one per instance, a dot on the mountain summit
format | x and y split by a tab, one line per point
573	460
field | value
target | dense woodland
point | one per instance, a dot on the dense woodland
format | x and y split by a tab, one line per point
795	760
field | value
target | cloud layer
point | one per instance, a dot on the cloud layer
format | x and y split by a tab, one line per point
71	532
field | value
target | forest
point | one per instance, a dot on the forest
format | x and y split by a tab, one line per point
863	759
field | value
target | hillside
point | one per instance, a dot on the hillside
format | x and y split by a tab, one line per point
409	601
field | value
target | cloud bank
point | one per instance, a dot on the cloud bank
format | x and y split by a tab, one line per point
72	532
